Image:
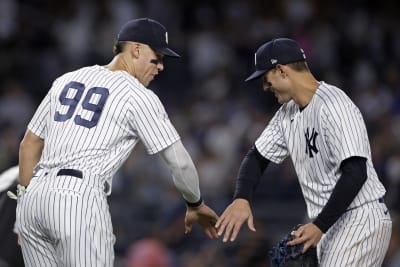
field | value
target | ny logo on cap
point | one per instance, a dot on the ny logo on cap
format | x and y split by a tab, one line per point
273	61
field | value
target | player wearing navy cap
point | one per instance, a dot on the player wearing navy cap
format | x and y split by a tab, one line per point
323	132
82	132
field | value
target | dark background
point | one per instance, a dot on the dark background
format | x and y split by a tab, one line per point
352	44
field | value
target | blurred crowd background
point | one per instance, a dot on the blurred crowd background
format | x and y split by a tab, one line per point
352	44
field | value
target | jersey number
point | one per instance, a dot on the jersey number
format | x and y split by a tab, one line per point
86	105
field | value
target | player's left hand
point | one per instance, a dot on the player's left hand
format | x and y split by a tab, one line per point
308	234
205	217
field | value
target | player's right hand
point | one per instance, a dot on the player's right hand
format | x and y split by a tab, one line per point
308	234
232	219
205	217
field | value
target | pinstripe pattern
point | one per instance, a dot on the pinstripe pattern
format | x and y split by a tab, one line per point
341	134
318	138
90	125
359	238
64	222
131	113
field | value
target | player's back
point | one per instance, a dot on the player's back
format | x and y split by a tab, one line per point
88	126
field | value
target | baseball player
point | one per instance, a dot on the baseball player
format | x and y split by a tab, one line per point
323	132
82	132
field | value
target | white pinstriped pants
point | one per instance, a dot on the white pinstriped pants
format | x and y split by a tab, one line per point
360	238
64	222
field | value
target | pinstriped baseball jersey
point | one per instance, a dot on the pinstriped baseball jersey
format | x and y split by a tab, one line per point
318	138
80	119
90	120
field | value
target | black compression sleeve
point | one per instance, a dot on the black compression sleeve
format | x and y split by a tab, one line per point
250	172
354	175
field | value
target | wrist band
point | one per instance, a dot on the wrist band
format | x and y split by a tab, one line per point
194	205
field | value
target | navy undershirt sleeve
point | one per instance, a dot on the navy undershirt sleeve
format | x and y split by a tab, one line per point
250	172
354	175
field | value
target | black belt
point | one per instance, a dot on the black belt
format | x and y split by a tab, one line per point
78	174
70	172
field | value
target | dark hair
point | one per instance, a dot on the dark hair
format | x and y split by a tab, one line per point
119	46
299	66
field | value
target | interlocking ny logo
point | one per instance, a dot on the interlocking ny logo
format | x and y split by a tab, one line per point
310	140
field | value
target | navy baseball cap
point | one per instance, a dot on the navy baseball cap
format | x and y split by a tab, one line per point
147	31
276	51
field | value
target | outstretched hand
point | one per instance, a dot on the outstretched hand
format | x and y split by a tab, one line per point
233	218
205	217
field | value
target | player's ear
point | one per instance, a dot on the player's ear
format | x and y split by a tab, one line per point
135	50
281	70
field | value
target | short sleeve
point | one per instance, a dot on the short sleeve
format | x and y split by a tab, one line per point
39	122
152	123
271	143
346	131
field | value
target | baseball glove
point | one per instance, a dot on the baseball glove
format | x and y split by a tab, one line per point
283	255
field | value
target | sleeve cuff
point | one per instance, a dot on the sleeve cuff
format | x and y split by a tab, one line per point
195	204
321	225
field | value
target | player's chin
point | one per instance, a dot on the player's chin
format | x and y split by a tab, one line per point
282	100
149	80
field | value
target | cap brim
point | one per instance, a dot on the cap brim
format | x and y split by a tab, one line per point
167	52
255	75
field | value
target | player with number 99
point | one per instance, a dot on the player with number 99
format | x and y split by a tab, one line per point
82	132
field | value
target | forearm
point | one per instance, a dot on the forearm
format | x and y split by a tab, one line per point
30	151
250	172
354	175
183	171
